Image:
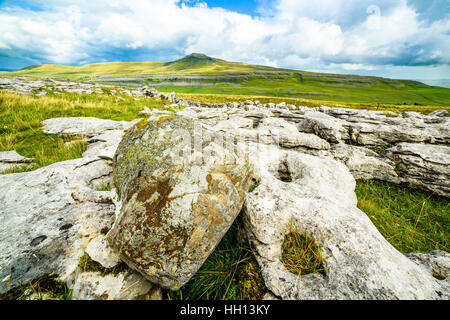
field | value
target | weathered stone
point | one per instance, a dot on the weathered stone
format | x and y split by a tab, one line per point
52	216
439	113
288	136
317	196
365	164
43	229
324	126
127	285
11	159
437	263
423	165
174	209
100	251
83	126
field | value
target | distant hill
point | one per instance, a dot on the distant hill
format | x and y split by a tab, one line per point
198	73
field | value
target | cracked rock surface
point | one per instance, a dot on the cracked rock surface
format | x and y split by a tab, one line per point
311	185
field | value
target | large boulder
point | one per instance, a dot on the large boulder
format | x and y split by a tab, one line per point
180	190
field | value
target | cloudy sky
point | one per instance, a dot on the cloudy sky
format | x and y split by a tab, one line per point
408	39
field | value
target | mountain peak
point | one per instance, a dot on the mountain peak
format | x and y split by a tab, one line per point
198	56
192	61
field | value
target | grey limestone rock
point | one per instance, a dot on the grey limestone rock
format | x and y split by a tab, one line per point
423	165
319	199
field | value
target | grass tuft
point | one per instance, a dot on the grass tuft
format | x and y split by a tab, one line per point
300	254
45	288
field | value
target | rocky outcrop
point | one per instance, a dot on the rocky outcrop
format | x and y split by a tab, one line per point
365	164
303	184
423	165
327	133
319	199
172	207
180	190
51	217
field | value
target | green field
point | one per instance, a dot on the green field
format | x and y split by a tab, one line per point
200	74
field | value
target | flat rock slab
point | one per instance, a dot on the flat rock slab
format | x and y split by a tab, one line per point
44	226
180	191
13	157
52	216
83	126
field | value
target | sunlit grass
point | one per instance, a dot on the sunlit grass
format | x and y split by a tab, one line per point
21	117
411	220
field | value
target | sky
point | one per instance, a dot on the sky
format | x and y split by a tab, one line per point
405	39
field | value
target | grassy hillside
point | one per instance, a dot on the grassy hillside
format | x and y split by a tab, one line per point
200	74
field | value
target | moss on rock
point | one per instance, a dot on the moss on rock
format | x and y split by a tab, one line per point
86	264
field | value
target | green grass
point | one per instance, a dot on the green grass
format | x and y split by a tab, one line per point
21	117
300	254
411	220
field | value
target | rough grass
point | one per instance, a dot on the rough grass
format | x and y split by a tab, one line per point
300	254
45	288
411	220
21	117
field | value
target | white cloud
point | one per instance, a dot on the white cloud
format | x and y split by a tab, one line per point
303	34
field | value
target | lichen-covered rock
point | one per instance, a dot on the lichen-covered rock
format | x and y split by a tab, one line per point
180	190
127	285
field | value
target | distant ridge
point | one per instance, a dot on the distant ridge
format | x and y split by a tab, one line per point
199	73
